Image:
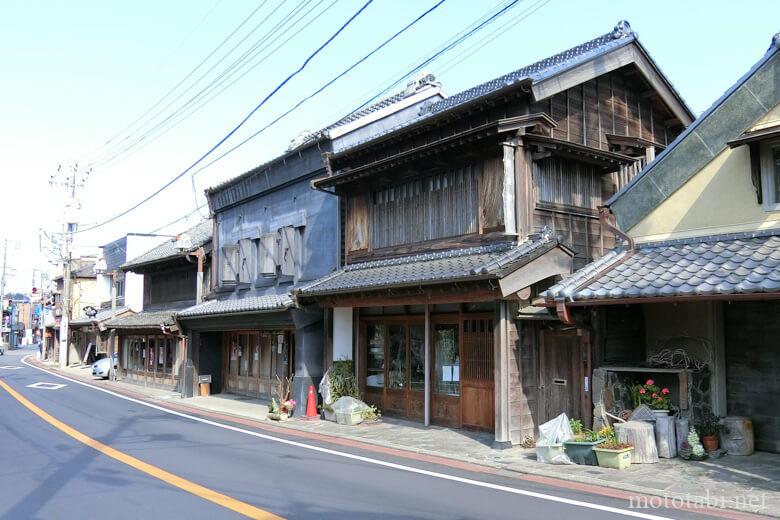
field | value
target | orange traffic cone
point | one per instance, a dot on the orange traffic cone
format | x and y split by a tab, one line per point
311	403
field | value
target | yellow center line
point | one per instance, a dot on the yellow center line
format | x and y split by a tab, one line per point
174	480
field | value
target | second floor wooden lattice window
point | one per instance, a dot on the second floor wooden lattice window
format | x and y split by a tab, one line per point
437	206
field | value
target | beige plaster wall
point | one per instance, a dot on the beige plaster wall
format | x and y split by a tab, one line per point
718	199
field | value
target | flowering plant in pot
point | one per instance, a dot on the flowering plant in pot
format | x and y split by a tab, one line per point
652	395
612	453
709	429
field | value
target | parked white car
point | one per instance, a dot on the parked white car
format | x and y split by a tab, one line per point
100	368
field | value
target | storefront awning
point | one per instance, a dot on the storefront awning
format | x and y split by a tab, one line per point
506	262
742	265
267	303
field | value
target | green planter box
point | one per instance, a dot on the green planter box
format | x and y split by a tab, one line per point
616	459
581	452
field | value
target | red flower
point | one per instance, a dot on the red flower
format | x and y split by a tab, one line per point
660	398
642	391
665	391
650	382
655	394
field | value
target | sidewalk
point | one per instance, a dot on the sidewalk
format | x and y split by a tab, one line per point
747	484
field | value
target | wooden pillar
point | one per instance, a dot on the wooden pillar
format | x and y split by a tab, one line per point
427	363
501	376
524	202
508	193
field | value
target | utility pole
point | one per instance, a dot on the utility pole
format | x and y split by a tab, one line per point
72	181
2	292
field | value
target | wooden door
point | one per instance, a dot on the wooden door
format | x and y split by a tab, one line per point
561	374
477	392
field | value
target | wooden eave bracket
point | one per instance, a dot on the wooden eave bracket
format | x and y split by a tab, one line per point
538	123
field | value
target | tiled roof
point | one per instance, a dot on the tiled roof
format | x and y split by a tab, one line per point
473	263
268	303
538	71
542	69
199	234
741	263
322	134
102	315
142	320
354	116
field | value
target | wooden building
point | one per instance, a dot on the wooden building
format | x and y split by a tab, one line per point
454	221
150	344
273	232
691	298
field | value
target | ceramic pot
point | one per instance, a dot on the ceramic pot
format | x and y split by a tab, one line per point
710	442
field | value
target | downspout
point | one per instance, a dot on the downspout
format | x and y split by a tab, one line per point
200	255
607	220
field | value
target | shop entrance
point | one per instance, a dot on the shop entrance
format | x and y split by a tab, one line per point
210	359
392	370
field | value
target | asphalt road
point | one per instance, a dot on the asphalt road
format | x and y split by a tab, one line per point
45	473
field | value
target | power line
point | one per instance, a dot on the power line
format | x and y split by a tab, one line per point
180	218
446	48
157	103
406	74
107	157
244	120
467	53
198	99
403	72
323	87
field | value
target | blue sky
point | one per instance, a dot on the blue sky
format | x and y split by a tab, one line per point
76	73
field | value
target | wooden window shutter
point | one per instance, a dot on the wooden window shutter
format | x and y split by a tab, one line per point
288	258
267	254
357	222
246	260
491	187
229	263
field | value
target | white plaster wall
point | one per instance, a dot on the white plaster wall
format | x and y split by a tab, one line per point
342	333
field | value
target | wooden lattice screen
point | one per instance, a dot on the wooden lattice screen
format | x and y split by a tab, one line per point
478	349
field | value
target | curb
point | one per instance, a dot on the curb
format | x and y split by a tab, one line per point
589	484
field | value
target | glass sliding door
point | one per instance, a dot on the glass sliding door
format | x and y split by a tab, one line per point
446	352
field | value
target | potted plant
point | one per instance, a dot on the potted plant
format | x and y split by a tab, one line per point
652	395
611	453
580	448
275	413
709	429
691	448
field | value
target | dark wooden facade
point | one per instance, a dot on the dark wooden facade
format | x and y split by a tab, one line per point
497	168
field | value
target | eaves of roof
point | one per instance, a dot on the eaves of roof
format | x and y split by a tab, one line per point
696	145
526	76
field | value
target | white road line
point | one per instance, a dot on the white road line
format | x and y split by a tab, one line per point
401	467
10	367
46	386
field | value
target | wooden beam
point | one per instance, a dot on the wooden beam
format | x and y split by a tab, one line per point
463	294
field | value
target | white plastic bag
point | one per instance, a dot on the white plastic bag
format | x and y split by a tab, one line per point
549	442
325	391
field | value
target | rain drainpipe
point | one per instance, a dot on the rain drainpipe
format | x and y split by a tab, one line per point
608	221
